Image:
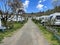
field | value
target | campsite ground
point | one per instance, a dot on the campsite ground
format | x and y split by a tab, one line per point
29	34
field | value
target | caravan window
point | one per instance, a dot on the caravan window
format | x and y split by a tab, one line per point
58	17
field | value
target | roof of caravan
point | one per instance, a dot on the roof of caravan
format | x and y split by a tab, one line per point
55	14
45	16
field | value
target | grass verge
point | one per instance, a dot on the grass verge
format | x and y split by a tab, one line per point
9	32
58	31
48	35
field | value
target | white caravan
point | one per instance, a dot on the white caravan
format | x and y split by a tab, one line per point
54	19
38	18
44	19
15	18
1	27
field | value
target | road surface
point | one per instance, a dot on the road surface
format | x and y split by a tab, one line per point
29	34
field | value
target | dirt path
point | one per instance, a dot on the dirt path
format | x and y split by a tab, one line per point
28	35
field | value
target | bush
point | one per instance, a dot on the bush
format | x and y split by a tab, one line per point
9	32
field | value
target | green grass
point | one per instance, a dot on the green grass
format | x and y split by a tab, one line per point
48	35
58	30
9	32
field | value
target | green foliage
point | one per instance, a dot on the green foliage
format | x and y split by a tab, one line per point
1	12
58	28
36	21
48	12
48	35
56	9
9	32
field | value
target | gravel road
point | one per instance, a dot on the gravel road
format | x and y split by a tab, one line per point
29	34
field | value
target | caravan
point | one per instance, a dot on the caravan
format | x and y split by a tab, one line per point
44	19
1	27
54	19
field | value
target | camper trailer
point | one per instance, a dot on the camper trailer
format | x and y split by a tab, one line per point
1	27
15	18
54	19
44	19
38	18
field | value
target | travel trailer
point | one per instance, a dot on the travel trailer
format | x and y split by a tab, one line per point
1	27
15	18
38	18
54	19
44	19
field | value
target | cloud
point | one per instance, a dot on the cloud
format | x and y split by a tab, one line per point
40	6
45	6
40	1
26	4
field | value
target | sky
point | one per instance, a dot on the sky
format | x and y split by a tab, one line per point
33	5
37	5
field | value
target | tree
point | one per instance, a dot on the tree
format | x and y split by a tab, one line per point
56	4
0	12
16	6
5	13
